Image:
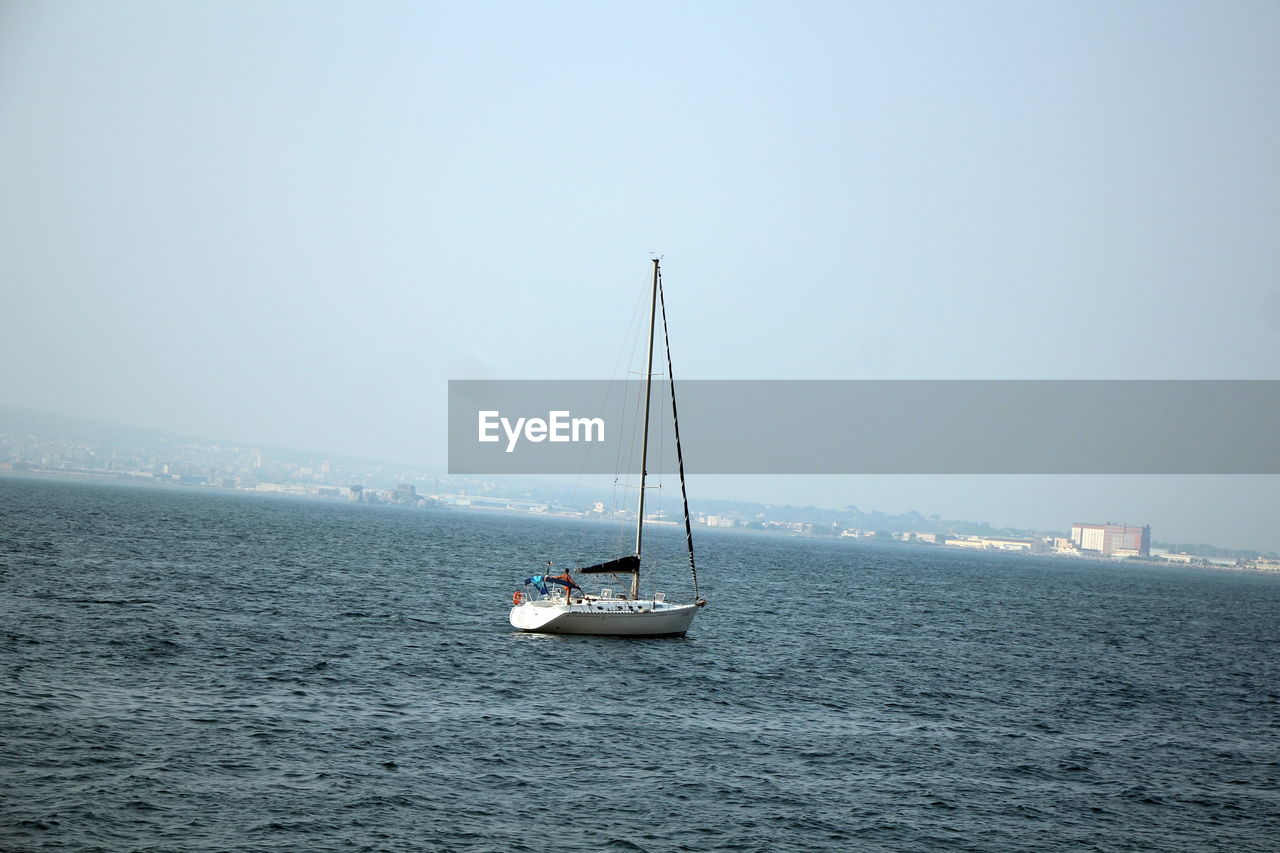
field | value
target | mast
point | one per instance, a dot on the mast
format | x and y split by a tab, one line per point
644	442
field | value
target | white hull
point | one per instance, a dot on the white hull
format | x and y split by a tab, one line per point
611	618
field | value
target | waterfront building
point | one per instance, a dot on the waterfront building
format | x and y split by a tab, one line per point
1108	539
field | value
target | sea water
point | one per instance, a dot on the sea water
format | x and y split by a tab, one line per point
186	671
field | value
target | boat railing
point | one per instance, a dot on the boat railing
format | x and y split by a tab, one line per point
557	596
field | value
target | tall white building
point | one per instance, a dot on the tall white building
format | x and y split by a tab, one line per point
1109	538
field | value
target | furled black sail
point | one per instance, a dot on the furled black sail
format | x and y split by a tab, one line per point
684	494
620	566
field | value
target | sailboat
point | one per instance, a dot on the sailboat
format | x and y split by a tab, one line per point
562	607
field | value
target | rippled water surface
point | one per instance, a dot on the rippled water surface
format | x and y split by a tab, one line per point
186	671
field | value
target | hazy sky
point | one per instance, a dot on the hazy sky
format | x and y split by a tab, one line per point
291	223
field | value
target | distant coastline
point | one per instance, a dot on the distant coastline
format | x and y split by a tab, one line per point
523	508
45	444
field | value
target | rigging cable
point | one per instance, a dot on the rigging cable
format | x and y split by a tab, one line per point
675	418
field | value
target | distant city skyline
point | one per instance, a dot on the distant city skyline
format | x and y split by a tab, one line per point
28	436
291	224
